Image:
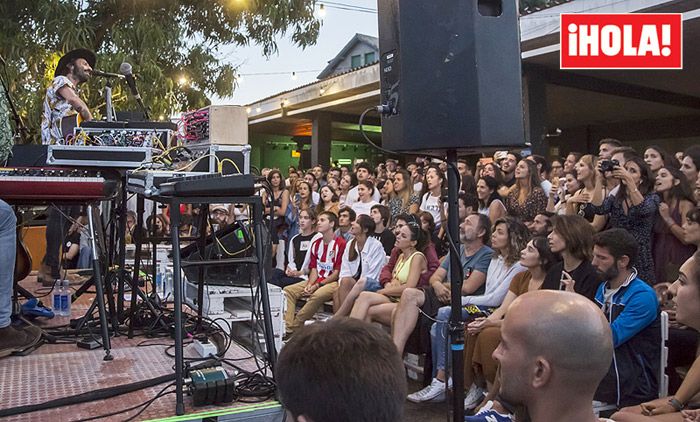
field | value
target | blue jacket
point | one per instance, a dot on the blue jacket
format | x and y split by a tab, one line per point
633	377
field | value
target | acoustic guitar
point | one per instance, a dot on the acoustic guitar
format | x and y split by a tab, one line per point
68	124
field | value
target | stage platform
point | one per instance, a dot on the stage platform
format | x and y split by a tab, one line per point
61	370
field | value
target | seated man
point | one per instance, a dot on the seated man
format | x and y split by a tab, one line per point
325	258
545	366
363	379
475	231
346	216
633	313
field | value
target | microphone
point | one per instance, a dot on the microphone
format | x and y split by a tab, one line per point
102	74
125	70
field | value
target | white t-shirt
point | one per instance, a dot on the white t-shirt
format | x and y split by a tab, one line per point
546	186
354	197
363	207
431	204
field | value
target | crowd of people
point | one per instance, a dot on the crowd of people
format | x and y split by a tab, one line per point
370	242
614	228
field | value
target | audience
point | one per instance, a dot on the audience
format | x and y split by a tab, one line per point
526	198
381	216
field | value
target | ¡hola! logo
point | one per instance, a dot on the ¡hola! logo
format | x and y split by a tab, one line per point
621	41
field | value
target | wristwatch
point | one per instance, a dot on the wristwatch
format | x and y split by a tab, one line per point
676	404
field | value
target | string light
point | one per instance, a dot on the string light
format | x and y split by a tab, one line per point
321	11
294	76
182	80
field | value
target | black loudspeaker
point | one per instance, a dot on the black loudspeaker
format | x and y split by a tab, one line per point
450	69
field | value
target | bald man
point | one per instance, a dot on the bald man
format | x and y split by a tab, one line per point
545	366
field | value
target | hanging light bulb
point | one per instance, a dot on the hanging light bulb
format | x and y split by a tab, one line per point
294	76
321	11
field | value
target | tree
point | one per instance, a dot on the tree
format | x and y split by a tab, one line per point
166	41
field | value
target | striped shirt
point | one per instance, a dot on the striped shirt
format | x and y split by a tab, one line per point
326	258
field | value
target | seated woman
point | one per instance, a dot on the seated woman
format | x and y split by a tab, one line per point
363	259
683	406
484	334
378	306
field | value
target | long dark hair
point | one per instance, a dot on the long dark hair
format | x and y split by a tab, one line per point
492	184
269	179
547	257
682	190
646	175
421	237
518	236
366	223
669	159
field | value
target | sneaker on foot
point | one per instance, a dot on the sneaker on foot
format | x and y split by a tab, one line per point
16	340
473	397
435	391
488	414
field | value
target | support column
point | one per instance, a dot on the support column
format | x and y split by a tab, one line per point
321	140
536	113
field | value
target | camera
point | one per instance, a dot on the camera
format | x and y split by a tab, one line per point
608	165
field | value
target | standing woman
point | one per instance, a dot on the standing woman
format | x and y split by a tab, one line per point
280	202
378	306
633	208
526	198
670	249
657	158
431	200
365	202
334	184
363	261
300	199
347	182
490	203
586	173
386	190
328	201
404	200
571	185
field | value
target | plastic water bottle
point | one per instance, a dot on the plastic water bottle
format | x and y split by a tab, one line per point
65	298
168	284
56	297
160	279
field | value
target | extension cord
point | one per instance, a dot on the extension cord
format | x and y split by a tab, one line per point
205	350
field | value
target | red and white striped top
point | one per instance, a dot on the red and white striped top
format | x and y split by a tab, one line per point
326	258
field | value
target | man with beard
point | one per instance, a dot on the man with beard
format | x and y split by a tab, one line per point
544	365
508	167
632	310
62	100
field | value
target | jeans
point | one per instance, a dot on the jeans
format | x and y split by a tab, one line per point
438	337
372	285
8	251
280	279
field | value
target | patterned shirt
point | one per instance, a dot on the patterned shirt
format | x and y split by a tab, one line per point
6	140
326	258
55	109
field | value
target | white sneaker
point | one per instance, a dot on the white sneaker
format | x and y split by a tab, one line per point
473	397
435	391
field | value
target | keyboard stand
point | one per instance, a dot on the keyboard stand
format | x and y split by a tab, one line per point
257	221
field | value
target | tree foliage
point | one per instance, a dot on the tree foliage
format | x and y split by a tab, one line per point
164	40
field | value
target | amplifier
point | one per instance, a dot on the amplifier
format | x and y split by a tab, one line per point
217	159
99	156
147	182
227	125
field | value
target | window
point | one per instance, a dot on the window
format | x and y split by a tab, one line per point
369	58
355	61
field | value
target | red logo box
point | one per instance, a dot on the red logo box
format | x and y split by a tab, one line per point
621	41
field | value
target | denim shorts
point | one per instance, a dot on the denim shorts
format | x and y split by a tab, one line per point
372	285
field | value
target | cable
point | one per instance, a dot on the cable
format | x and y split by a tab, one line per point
161	393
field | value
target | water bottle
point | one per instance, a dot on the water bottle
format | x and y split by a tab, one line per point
65	298
160	279
168	284
56	297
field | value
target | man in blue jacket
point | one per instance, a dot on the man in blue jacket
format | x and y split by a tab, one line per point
631	307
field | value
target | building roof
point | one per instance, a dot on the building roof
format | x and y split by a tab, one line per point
370	41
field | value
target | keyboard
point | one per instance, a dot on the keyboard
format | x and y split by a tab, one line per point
210	184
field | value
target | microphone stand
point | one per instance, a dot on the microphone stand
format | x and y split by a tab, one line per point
21	131
111	115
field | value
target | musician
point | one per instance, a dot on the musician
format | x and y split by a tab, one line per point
62	96
62	100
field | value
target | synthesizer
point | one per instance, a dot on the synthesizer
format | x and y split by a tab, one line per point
210	184
29	185
148	182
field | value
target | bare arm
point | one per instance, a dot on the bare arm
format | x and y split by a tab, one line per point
418	266
74	100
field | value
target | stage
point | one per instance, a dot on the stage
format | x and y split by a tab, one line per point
60	370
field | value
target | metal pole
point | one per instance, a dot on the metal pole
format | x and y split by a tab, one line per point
98	285
177	287
456	327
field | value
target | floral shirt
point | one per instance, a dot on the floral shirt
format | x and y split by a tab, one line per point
55	109
6	139
536	203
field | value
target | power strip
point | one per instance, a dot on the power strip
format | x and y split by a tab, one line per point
205	350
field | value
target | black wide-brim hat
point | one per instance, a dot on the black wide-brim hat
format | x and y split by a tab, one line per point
78	53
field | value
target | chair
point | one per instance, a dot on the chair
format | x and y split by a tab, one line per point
599	407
